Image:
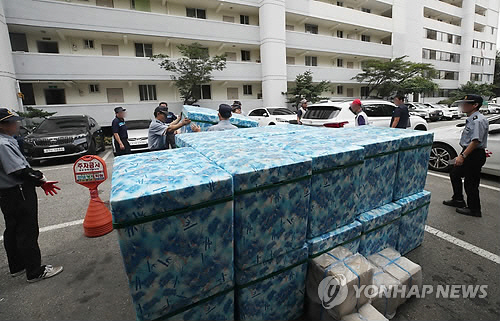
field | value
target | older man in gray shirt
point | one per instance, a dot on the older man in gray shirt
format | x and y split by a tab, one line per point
158	129
225	113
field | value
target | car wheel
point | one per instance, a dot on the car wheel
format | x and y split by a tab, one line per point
272	124
421	127
441	155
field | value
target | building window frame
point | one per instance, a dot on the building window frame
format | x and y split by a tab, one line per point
247	90
147	93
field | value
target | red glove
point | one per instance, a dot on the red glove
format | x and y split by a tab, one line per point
50	187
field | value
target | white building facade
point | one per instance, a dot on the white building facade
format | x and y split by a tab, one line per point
89	56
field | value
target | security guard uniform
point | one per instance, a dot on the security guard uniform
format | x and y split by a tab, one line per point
476	129
19	205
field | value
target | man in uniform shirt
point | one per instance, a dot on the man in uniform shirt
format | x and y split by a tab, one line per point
159	129
119	128
361	117
400	115
171	119
473	156
224	123
19	204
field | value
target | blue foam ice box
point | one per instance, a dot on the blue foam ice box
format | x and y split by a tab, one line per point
206	117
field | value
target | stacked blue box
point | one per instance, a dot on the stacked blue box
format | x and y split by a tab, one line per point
380	228
414	211
379	170
214	138
206	117
273	290
336	169
414	153
348	236
175	234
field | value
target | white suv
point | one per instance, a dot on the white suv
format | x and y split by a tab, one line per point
338	114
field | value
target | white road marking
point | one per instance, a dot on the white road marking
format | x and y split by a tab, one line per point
465	245
56	227
107	155
480	185
53	168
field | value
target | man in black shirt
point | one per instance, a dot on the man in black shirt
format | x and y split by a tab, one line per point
400	116
119	128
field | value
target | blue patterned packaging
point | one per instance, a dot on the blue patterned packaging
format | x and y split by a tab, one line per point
380	228
206	117
213	139
271	199
273	290
413	160
415	209
175	232
348	236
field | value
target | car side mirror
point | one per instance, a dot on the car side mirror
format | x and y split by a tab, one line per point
266	115
92	125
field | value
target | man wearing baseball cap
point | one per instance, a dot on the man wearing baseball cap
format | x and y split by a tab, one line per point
19	204
472	158
159	128
302	111
120	133
361	117
225	114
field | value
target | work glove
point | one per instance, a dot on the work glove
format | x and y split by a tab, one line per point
49	187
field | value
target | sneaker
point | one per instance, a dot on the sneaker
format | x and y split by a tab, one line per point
49	272
469	212
455	203
18	273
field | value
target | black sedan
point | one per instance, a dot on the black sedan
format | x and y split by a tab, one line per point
64	136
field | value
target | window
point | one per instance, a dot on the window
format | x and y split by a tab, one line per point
196	13
245	55
258	112
147	92
340	34
477	61
143	50
18	42
290	60
94	88
311	61
448	75
340	3
491	45
290	27
244	20
431	34
311	28
54	96
228	19
366	10
340	90
88	44
110	50
365	38
340	62
47	46
104	3
28	93
203	92
475	77
492	30
378	110
365	91
247	90
350	92
230	56
141	5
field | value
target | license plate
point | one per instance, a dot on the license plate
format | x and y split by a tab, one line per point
53	150
137	142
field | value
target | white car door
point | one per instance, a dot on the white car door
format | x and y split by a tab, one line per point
260	116
379	114
493	162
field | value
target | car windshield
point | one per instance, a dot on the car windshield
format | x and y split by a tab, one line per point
57	124
280	111
138	124
321	112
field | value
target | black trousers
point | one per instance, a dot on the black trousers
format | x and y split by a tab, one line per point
20	210
171	141
471	171
125	151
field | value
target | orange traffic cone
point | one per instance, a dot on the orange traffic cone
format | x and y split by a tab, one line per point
98	220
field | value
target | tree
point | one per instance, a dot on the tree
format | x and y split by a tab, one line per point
496	77
192	70
305	88
32	112
397	76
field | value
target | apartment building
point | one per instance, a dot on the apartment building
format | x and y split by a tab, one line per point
87	56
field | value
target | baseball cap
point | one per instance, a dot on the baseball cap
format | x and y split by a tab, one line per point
472	99
236	103
225	110
356	102
303	101
161	109
119	109
7	115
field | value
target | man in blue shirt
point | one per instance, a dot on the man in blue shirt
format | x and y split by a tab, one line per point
400	115
119	128
468	164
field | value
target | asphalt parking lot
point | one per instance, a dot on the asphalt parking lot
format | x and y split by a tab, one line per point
457	250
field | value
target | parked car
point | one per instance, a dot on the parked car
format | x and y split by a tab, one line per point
448	114
63	136
454	107
426	112
446	147
493	108
272	115
137	135
338	114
